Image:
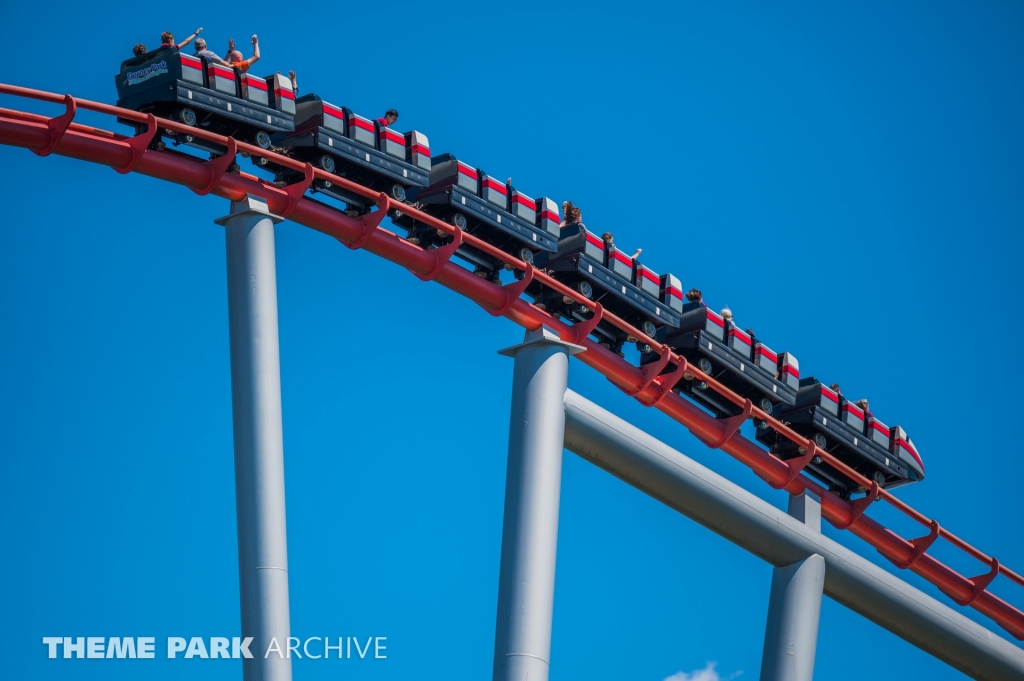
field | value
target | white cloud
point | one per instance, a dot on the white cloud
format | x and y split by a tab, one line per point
708	673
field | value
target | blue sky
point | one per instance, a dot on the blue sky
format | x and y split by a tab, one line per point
846	177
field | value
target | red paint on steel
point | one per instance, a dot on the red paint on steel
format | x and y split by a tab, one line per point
513	290
58	126
651	371
979	584
578	332
797	465
298	189
100	146
139	144
371	221
442	255
730	426
860	505
921	544
216	168
664	384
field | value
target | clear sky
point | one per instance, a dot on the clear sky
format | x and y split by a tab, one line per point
845	176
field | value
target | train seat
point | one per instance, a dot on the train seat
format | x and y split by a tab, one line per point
417	149
254	89
392	142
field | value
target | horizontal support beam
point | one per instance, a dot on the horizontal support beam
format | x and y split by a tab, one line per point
751	523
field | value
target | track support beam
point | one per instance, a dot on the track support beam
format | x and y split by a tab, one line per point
526	584
259	442
794	607
753	524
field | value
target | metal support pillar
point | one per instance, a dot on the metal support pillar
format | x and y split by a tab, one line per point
654	468
259	444
794	607
526	585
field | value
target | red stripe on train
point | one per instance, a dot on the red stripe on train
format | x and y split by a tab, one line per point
736	333
220	72
360	123
495	185
522	200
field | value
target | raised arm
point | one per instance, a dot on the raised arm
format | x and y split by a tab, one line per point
255	50
189	39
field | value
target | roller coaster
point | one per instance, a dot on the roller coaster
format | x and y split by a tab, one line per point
696	367
265	111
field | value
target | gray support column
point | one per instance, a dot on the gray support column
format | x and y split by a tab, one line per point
794	607
259	444
526	585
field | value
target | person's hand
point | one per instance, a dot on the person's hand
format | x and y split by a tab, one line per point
198	30
291	74
231	44
254	39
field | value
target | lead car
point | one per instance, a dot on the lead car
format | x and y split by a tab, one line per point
191	90
844	430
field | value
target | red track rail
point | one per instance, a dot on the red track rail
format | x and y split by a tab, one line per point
62	136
